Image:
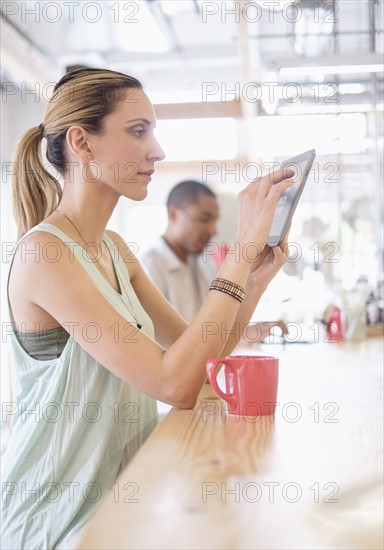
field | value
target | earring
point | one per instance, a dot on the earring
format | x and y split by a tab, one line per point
89	158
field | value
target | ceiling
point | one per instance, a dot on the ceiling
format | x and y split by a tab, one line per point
197	51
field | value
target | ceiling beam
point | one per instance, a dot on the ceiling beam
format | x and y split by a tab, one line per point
277	63
23	60
249	109
210	109
197	55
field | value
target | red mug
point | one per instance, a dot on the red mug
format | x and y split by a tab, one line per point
250	382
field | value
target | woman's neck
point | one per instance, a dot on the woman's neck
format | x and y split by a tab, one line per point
89	212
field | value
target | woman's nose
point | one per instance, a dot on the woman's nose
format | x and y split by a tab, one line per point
156	152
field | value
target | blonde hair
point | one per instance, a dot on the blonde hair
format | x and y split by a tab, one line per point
83	97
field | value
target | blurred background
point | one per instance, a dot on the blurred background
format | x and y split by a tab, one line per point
237	86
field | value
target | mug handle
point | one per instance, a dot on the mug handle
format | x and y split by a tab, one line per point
212	377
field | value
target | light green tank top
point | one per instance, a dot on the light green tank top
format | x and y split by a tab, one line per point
75	426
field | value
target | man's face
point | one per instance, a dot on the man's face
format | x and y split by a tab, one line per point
194	225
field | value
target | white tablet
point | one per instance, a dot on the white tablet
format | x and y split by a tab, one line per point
286	206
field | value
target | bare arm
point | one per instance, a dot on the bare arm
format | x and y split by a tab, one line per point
264	269
174	375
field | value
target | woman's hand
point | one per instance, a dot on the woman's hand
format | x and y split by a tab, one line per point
267	264
260	263
256	208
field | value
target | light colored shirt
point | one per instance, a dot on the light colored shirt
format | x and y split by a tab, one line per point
184	284
75	425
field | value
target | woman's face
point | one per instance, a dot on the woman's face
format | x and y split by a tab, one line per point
124	154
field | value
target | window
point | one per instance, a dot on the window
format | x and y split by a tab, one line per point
198	139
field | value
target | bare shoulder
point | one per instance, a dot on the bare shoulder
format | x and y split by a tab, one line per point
38	249
42	266
42	256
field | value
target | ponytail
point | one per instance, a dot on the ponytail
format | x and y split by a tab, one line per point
35	192
84	96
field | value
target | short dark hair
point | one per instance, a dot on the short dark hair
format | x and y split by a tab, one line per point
187	192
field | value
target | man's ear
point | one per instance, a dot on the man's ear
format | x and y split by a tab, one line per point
173	212
77	143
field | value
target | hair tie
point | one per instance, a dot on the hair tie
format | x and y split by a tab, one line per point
41	129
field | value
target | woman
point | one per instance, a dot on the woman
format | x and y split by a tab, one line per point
94	343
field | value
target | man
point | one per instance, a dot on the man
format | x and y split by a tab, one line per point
176	264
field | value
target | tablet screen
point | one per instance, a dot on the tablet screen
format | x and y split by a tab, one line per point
287	197
288	200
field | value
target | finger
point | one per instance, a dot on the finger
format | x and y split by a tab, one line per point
263	184
274	192
274	183
279	256
279	175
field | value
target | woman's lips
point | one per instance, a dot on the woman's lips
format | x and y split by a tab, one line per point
146	174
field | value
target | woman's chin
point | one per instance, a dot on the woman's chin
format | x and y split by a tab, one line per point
138	195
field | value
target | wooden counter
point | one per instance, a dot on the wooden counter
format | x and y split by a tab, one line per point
307	478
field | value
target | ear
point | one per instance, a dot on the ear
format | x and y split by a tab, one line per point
78	144
172	213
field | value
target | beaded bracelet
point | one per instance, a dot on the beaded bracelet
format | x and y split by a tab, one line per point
232	289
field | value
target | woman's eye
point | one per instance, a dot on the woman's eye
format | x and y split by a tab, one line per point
139	133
